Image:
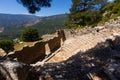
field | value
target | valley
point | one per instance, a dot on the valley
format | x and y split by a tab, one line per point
43	24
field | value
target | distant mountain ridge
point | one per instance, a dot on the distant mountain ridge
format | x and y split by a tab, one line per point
14	24
11	20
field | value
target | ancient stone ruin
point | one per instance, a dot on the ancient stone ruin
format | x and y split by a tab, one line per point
87	54
39	50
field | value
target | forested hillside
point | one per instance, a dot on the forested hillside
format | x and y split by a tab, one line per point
92	12
50	24
111	10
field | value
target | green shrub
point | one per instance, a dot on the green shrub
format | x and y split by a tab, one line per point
7	45
30	34
111	10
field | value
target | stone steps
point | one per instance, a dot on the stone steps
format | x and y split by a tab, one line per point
79	43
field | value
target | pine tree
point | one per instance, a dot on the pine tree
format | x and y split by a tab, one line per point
84	12
35	5
30	34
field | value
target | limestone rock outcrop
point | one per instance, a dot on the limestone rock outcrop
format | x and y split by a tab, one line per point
12	70
2	52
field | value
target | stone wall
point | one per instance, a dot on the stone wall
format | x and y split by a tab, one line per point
30	54
39	49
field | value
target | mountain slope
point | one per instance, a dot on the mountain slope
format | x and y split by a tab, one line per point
45	25
11	20
50	24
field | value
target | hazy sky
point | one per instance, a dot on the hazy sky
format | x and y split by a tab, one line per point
58	7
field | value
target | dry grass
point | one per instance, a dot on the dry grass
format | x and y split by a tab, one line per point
19	46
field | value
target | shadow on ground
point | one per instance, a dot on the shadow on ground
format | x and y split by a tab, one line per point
97	61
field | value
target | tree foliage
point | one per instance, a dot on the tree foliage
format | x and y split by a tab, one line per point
111	10
116	7
7	45
85	12
35	5
30	34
